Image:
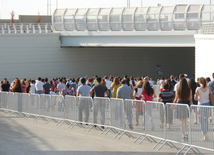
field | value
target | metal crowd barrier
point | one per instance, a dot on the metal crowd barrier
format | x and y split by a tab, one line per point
168	124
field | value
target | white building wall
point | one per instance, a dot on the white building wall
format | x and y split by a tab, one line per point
204	54
33	55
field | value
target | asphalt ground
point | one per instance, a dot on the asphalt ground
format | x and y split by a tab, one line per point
27	137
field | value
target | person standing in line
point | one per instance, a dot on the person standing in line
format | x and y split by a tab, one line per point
28	86
161	83
140	106
38	86
183	96
99	90
5	86
46	90
73	85
114	86
32	87
60	86
202	96
193	86
83	104
125	92
177	84
1	83
24	86
211	84
108	85
166	96
147	95
46	87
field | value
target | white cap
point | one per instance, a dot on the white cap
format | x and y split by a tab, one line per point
185	74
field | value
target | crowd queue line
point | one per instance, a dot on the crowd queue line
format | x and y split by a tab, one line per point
182	90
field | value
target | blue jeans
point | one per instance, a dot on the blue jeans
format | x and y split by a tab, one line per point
204	113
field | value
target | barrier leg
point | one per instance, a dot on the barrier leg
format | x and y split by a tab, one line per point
70	125
146	137
58	123
157	144
138	138
122	134
174	145
87	127
104	131
74	125
181	149
118	133
198	150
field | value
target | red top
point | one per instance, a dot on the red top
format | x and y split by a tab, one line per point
146	96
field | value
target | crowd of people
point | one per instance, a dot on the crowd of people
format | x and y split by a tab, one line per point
181	90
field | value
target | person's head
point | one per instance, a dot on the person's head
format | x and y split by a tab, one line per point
60	80
43	80
33	81
213	75
1	82
91	80
131	78
125	77
192	84
147	87
116	80
181	76
163	78
124	81
139	84
99	79
83	80
166	85
183	91
202	82
46	79
146	78
171	77
103	81
5	80
170	85
185	75
17	83
52	89
207	80
73	80
22	82
67	85
39	78
105	77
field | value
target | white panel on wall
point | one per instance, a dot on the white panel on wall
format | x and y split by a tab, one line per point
204	53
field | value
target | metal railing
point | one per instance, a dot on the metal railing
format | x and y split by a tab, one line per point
151	120
26	28
155	18
207	29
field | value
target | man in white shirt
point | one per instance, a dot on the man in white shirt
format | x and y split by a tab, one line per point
185	76
108	85
38	86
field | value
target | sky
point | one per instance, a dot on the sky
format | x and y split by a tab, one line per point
33	7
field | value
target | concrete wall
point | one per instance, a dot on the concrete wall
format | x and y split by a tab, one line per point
204	55
33	55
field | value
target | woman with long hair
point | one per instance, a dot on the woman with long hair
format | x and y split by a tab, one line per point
17	86
139	105
147	95
24	86
202	96
183	96
114	86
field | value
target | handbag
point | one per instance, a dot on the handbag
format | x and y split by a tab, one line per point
212	99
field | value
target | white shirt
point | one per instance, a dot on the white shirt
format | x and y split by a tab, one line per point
108	84
32	88
39	85
176	86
